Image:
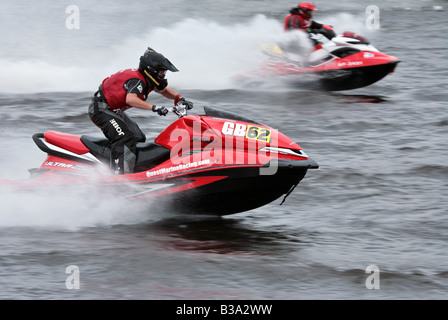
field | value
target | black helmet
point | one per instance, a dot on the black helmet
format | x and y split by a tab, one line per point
153	66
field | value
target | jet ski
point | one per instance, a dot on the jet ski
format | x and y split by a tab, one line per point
216	163
339	62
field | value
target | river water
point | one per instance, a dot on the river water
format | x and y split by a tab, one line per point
378	200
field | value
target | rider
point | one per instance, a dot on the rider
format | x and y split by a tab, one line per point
300	18
123	90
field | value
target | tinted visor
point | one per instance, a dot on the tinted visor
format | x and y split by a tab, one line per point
309	13
161	73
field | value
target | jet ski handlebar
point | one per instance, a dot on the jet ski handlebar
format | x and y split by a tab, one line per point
180	110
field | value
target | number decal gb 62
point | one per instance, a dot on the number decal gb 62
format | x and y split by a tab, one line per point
258	133
249	132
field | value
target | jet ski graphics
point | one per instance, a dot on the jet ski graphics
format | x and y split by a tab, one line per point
344	62
217	163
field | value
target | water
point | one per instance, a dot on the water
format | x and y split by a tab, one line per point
378	198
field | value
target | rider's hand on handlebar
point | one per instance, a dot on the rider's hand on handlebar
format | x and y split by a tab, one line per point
161	110
186	103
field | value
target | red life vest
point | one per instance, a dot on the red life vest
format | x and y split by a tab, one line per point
294	21
114	91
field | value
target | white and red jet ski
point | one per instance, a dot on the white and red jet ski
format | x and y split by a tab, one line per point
344	62
215	163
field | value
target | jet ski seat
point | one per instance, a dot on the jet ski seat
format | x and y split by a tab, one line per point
149	154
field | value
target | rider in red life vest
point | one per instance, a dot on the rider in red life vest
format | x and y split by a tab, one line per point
123	90
300	18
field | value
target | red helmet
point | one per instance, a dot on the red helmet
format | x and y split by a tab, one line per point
306	9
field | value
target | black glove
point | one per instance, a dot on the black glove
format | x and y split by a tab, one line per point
327	33
161	110
186	103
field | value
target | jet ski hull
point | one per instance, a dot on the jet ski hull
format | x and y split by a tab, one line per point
230	190
354	78
220	190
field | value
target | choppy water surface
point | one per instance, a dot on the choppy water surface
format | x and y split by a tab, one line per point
379	197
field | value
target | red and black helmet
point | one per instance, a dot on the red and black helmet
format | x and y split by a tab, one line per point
306	9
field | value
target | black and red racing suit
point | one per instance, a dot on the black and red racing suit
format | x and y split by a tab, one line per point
107	111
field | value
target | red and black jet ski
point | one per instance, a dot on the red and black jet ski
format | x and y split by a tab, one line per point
215	163
344	62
